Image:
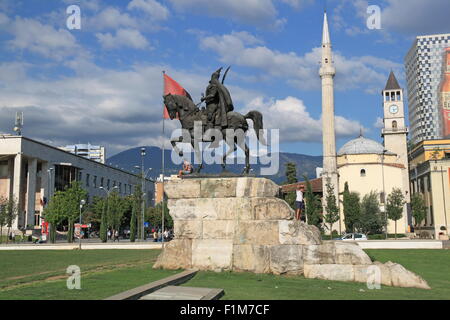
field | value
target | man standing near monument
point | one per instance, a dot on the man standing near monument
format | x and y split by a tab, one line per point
299	202
218	102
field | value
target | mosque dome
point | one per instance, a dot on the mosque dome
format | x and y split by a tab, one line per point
362	145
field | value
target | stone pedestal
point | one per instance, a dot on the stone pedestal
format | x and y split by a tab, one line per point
238	224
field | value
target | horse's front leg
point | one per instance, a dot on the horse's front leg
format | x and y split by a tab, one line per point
233	148
198	159
247	159
174	145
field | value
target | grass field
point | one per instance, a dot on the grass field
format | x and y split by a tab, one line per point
42	275
432	265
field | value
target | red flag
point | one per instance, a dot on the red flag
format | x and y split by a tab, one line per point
173	87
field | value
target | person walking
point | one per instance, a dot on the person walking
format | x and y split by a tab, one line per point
299	202
109	234
116	236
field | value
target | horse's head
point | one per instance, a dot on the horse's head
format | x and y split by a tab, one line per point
171	106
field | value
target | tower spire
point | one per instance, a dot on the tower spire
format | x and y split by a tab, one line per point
326	31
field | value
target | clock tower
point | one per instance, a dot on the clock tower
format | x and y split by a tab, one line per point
395	131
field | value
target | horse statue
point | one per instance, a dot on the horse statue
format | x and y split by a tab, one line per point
188	113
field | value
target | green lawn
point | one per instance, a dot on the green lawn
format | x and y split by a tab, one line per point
42	274
432	265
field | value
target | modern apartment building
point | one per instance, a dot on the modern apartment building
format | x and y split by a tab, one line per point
96	153
424	72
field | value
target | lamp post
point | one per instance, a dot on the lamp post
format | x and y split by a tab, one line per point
384	194
82	203
107	198
143	153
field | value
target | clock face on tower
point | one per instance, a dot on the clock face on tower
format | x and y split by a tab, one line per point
394	109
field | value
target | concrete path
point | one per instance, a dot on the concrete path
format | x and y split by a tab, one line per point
84	246
184	293
139	292
401	244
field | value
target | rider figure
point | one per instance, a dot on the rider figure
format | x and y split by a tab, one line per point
218	102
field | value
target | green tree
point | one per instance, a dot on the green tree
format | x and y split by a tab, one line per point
11	211
313	207
291	178
352	209
394	206
331	208
104	225
65	206
3	205
138	195
291	173
372	220
117	206
154	216
133	223
418	208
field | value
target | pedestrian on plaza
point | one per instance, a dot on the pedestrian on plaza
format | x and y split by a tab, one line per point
116	236
109	234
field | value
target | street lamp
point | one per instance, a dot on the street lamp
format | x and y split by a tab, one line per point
384	194
82	203
107	198
143	153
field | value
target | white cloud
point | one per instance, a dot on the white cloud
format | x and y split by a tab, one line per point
32	35
152	8
123	38
365	72
297	4
257	12
112	18
417	16
379	124
296	124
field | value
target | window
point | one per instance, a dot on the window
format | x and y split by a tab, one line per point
363	172
108	184
87	179
394	125
102	182
120	187
95	181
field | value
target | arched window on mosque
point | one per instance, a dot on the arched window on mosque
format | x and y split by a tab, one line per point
363	172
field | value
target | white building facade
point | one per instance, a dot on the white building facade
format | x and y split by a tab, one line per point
96	153
31	172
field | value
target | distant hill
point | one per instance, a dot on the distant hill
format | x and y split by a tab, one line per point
128	159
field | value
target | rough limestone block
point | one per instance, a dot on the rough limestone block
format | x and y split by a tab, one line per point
218	229
297	232
182	189
373	274
209	254
257	232
218	188
182	209
251	258
319	254
405	278
351	253
188	229
177	254
271	209
286	259
335	272
386	278
256	187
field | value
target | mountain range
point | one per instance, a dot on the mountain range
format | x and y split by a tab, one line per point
129	159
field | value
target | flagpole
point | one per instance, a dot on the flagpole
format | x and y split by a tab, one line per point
163	169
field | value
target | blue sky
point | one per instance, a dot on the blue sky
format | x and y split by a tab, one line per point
102	84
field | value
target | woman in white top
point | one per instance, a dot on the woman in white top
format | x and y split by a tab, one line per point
299	202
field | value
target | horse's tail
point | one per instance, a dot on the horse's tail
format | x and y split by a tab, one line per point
257	119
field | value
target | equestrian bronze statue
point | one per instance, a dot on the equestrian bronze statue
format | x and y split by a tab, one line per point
219	114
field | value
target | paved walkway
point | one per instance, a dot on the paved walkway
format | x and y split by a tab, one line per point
401	244
84	246
184	293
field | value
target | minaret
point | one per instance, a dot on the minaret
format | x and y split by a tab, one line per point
327	73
